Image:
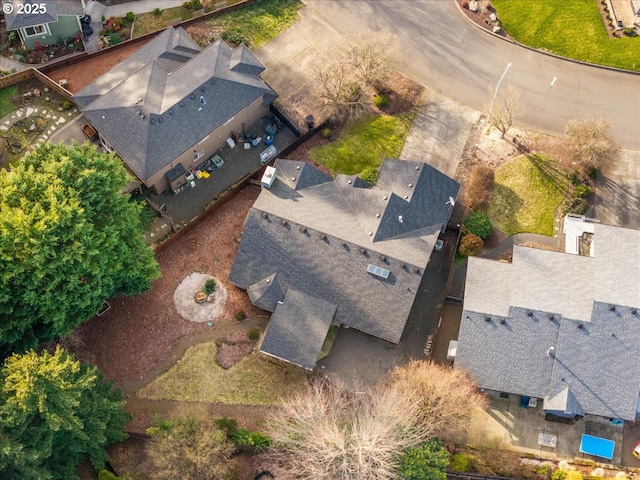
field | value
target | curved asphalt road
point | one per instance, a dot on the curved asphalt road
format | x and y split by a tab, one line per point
440	48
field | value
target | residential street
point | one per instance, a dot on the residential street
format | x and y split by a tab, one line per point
440	48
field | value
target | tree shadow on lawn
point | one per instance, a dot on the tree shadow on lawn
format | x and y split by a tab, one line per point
550	170
504	207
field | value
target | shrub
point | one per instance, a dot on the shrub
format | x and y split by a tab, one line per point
464	3
479	224
157	11
67	105
559	475
187	4
369	175
574	177
582	191
209	286
428	461
575	205
380	101
592	172
103	18
470	245
196	4
227	425
244	437
480	187
326	133
130	17
629	31
240	315
106	475
254	334
114	38
235	37
460	462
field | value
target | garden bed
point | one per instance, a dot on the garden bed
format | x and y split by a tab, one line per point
28	110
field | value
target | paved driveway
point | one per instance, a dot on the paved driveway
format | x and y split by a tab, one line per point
618	192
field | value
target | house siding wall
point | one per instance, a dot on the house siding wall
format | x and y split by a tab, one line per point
66	27
211	145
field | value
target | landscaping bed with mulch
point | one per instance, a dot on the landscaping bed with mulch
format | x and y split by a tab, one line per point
482	16
139	332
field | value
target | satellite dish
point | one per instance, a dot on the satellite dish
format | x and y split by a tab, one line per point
452	201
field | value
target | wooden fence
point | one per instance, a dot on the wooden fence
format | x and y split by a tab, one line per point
15	78
52	84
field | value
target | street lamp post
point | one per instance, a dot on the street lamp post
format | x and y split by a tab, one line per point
495	93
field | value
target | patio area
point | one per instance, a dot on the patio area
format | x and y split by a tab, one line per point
505	422
239	163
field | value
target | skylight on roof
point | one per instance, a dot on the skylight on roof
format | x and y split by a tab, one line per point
377	271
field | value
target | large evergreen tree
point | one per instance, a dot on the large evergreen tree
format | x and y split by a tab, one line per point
54	413
68	240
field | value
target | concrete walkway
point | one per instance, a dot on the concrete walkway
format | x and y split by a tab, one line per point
439	132
11	65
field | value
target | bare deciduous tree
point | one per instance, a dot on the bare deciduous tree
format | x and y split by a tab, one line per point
370	57
346	84
329	432
339	89
332	433
506	109
590	143
446	396
190	449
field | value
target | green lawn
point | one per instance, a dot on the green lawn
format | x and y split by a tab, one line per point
257	23
364	143
526	192
572	29
150	22
252	381
6	106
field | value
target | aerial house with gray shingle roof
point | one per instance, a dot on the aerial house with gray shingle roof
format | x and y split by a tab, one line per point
560	327
41	22
172	104
318	251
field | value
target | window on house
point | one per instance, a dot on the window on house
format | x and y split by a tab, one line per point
197	155
36	30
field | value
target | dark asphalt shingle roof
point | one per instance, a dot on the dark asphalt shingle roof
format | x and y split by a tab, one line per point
267	293
297	328
540	351
309	230
54	8
167	96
